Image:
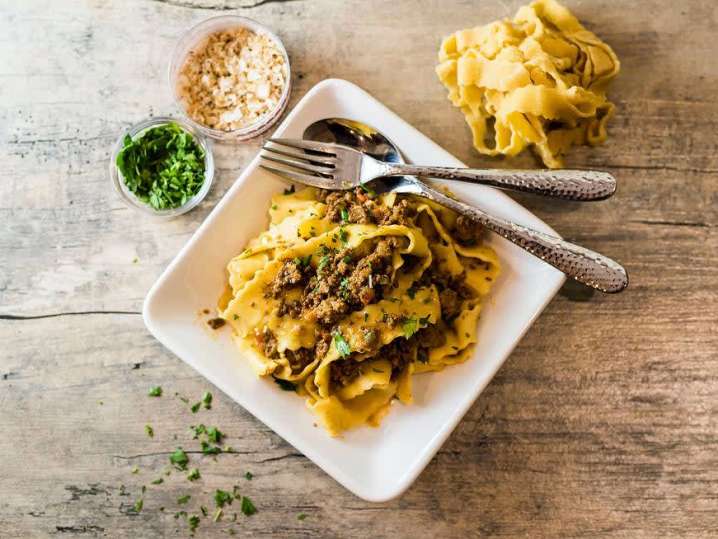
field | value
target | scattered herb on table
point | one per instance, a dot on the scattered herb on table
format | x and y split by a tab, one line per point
208	449
193	475
163	166
217	515
207	400
184	499
158	481
301	516
203	509
248	476
247	506
214	435
150	431
193	523
195	407
222	497
135	470
138	505
179	459
155	391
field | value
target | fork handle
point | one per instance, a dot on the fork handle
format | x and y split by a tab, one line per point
579	185
583	265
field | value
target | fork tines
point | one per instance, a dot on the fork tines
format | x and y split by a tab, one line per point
302	160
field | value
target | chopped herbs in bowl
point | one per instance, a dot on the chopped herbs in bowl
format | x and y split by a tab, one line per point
162	167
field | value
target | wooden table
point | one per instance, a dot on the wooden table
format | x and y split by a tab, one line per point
602	423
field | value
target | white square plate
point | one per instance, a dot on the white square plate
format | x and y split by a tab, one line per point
374	463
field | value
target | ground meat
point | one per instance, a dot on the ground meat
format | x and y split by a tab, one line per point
450	304
324	340
268	343
292	273
467	231
343	371
401	213
430	337
300	358
399	352
330	310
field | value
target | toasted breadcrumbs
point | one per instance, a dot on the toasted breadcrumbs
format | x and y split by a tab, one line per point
232	78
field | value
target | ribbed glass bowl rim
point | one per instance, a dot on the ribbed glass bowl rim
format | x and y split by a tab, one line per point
130	199
195	35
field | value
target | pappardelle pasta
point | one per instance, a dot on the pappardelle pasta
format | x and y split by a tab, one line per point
348	294
538	80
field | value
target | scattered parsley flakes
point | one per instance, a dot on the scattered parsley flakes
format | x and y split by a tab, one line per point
195	407
203	509
222	497
138	505
155	391
285	385
150	431
158	481
207	449
184	499
248	476
135	470
345	215
368	190
301	516
207	400
214	435
179	459
323	261
217	515
410	326
341	344
193	475
248	507
193	523
343	236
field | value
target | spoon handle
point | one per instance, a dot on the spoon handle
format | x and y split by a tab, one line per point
583	265
579	185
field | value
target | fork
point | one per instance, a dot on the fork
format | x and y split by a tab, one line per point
358	168
326	167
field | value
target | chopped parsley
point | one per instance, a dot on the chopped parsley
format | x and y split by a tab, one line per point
303	261
301	516
214	435
193	475
343	236
286	385
195	407
410	326
155	391
207	449
193	523
150	431
322	263
158	481
179	459
203	509
344	288
163	166
248	507
222	498
135	470
341	344
368	190
217	515
138	505
184	499
345	215
207	400
248	476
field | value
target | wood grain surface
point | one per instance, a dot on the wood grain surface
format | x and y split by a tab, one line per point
602	423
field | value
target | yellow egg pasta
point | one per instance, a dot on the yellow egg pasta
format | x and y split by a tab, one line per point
539	80
347	294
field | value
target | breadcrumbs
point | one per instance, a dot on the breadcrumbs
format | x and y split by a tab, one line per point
232	79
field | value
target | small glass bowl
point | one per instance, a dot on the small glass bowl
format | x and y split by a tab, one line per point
130	199
196	35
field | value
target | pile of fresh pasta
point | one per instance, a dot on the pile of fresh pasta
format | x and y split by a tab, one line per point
539	80
346	295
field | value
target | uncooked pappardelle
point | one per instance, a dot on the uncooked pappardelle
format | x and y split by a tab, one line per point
349	293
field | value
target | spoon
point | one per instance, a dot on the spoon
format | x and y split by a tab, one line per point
583	265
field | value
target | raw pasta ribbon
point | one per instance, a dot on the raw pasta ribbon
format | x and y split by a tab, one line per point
539	80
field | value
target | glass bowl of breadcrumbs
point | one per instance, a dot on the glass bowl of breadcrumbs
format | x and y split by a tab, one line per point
230	77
